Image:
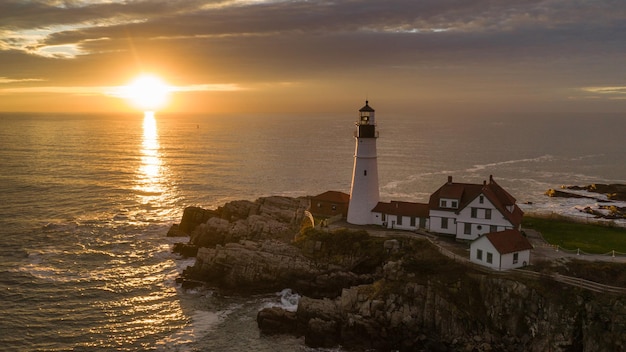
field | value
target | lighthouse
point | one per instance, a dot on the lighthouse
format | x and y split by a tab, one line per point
364	193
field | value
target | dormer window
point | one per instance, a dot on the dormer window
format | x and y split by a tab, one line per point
449	203
481	199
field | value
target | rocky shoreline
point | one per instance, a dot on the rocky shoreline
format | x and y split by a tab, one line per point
606	210
370	293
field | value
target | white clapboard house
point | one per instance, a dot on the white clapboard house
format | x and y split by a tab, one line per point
468	211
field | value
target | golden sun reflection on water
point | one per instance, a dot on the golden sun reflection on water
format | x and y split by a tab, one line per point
150	176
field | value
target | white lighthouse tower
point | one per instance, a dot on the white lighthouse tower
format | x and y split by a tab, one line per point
364	193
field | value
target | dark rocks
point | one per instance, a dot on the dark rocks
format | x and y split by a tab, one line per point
561	194
192	217
175	231
321	333
185	250
613	192
276	320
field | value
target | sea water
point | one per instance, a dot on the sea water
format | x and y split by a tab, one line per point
86	201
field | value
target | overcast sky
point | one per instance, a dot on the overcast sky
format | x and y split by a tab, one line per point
405	56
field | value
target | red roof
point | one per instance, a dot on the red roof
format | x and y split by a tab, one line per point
454	190
508	241
465	193
333	196
402	208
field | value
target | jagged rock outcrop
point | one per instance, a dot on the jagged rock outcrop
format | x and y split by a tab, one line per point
613	192
269	265
277	218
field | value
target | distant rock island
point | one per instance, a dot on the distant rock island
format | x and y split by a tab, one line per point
367	292
613	192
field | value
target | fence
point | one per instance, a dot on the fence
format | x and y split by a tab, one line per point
568	280
578	251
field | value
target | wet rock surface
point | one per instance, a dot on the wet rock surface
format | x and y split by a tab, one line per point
606	210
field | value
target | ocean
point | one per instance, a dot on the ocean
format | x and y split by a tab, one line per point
86	201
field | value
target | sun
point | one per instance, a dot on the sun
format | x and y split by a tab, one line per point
147	92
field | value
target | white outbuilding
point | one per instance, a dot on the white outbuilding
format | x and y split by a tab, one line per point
502	250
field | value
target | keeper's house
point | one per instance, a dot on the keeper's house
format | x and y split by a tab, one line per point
468	211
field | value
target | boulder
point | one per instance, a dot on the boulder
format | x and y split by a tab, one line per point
192	217
276	320
265	266
185	250
175	231
321	333
276	218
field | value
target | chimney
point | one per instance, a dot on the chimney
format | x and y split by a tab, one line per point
449	179
490	178
484	182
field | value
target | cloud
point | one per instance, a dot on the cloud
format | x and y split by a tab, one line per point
415	48
18	80
615	92
114	91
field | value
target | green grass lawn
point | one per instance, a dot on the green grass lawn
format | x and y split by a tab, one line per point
590	238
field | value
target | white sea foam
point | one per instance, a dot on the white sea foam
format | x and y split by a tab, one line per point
285	299
481	167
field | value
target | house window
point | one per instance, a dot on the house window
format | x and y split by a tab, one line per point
493	228
468	228
481	199
489	257
412	221
479	254
515	258
384	217
454	204
444	203
444	223
364	172
319	205
334	207
487	213
399	219
474	213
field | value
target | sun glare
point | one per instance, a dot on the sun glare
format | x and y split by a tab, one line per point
147	92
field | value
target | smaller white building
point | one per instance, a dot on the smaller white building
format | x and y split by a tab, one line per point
401	215
501	250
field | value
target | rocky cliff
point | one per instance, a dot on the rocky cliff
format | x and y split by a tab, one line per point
368	293
424	302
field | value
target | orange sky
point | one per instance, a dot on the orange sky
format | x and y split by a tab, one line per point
245	56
